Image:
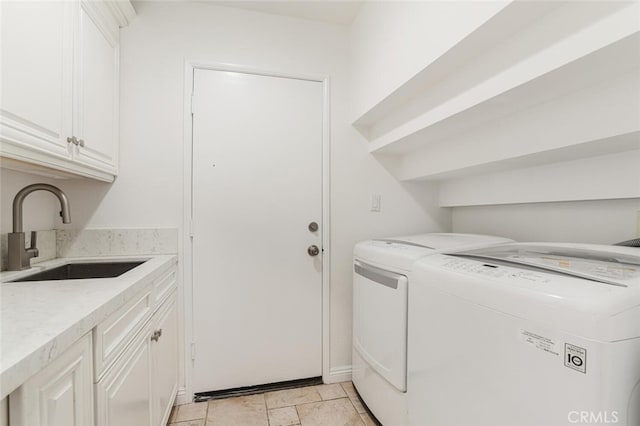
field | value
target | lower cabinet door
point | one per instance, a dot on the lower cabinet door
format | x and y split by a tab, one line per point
165	361
123	393
60	394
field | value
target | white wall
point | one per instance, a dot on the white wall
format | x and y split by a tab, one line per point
393	40
600	222
148	190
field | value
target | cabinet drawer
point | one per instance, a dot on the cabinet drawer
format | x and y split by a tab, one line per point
164	285
113	334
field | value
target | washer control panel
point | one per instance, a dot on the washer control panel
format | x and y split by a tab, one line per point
494	271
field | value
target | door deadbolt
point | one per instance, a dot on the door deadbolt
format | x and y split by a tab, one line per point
313	226
313	250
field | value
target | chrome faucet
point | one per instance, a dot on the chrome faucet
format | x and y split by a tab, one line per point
19	256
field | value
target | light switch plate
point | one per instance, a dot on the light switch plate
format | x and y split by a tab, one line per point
376	199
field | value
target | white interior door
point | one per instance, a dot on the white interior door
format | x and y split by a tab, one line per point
257	184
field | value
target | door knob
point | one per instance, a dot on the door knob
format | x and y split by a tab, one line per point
313	226
313	250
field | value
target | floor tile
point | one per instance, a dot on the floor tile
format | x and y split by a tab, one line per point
199	422
285	416
333	391
357	404
289	397
336	412
349	389
238	411
369	420
193	411
172	415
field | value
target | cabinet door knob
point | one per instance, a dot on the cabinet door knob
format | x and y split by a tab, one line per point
313	250
75	141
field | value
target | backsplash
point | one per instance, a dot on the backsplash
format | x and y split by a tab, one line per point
98	242
116	242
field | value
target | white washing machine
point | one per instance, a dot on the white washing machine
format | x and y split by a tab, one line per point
525	335
380	288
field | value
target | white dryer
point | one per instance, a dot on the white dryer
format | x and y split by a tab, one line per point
380	288
525	335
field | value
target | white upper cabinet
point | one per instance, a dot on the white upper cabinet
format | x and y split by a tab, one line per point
96	119
37	52
59	104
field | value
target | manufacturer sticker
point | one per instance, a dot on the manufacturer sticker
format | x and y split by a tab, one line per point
543	343
575	357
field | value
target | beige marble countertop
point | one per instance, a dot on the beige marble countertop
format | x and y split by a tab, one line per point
41	319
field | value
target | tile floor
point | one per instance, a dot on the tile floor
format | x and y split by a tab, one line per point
324	405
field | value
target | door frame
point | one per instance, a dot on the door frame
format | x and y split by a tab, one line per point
186	318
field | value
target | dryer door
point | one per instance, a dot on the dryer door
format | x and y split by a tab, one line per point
380	321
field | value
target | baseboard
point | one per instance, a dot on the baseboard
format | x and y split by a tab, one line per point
182	397
338	374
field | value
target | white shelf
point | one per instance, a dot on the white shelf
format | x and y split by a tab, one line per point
512	18
596	148
539	86
606	177
514	75
598	120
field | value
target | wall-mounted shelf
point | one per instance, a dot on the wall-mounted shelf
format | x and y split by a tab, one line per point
595	148
604	177
539	83
503	25
454	117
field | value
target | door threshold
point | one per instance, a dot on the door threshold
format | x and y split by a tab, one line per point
252	390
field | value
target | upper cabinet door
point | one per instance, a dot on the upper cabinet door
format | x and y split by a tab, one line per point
96	99
37	50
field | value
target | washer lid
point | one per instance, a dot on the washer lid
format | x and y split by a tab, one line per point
399	253
448	241
573	294
611	265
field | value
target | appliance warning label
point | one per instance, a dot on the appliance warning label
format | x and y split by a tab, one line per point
543	343
575	357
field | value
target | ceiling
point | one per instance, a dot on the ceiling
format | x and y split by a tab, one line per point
332	11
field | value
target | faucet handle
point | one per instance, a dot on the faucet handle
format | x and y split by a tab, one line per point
33	251
34	239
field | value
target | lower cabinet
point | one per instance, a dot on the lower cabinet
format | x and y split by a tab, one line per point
137	386
164	363
123	395
60	394
140	387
